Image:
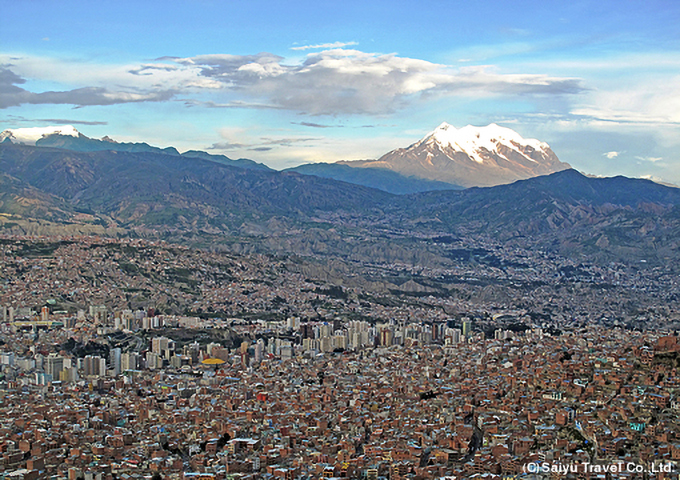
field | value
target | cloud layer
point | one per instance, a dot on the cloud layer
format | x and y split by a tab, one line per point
335	81
342	81
11	95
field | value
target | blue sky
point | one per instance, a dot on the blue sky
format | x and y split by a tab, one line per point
296	82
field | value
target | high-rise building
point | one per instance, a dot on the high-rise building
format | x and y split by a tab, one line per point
130	361
259	350
7	358
154	361
386	337
307	330
340	341
326	344
192	351
325	330
115	360
54	364
163	346
467	326
94	366
286	352
98	313
69	375
309	344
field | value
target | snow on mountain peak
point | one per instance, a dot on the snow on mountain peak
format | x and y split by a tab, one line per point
471	157
28	136
473	140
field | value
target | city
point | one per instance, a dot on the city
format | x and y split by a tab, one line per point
310	381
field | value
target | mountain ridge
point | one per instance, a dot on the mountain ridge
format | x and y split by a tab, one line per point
29	136
157	189
68	138
193	198
378	174
382	179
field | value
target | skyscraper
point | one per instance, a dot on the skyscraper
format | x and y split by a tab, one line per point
467	325
54	364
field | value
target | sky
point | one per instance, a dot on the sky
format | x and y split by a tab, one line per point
286	83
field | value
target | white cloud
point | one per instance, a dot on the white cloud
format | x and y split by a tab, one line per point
344	81
611	155
657	179
79	83
325	45
647	102
630	95
12	95
334	81
650	159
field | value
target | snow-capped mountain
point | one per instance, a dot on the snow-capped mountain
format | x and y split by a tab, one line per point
471	156
29	136
68	138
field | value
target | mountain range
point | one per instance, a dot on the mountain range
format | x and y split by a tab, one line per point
68	138
170	192
70	181
445	159
204	198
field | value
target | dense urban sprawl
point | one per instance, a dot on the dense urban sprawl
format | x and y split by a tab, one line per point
134	359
